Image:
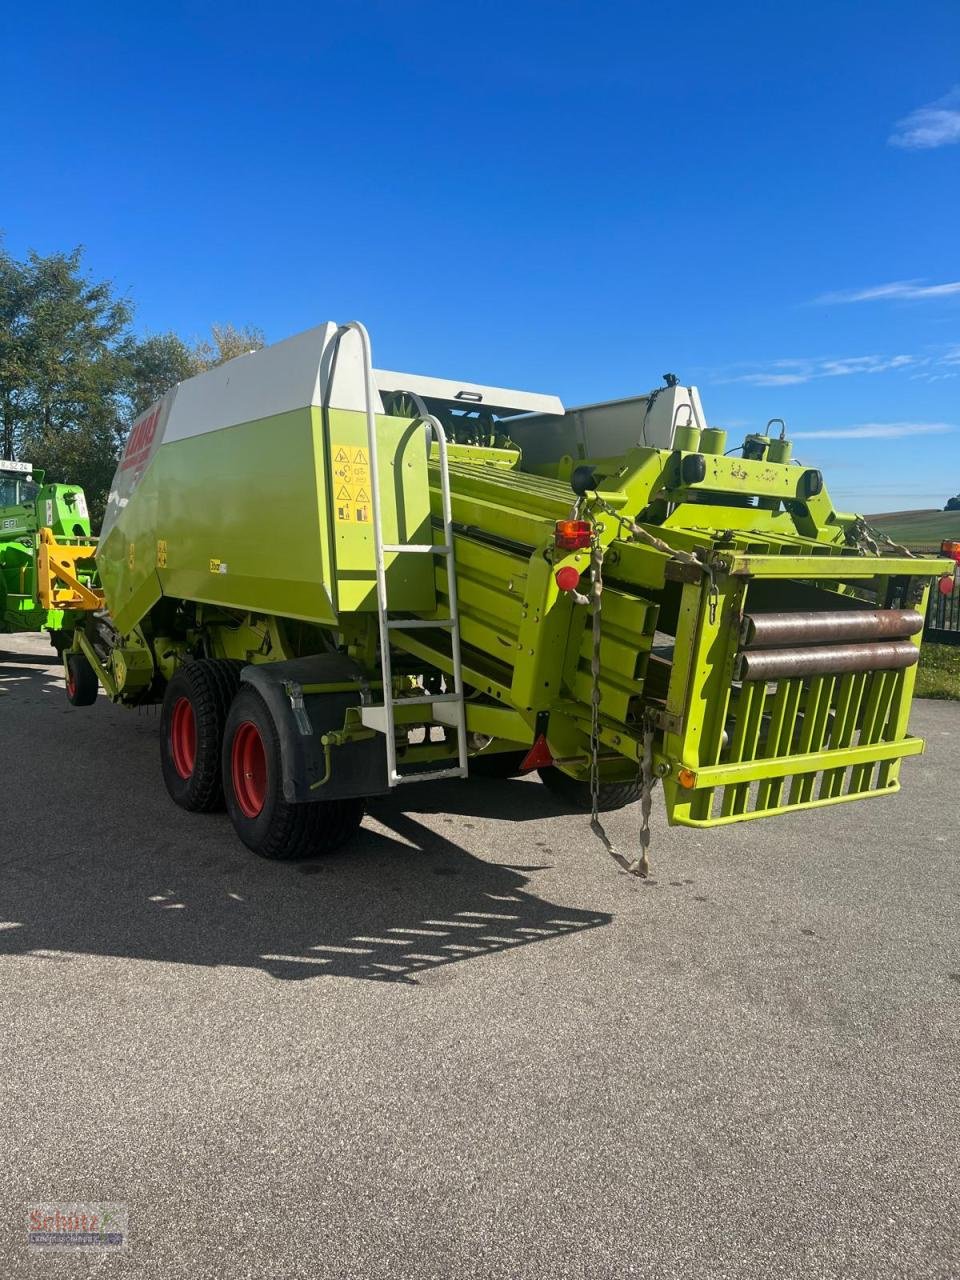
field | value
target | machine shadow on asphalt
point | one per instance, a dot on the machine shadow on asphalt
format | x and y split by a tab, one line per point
134	876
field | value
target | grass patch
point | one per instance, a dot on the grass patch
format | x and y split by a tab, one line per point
938	675
918	528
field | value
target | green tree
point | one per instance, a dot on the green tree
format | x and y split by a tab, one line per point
159	362
953	504
61	365
226	341
152	366
73	376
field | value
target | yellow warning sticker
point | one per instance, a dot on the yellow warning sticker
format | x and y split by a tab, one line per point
353	512
351	484
161	553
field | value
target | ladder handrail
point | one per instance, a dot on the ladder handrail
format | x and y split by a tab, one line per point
453	605
386	665
394	777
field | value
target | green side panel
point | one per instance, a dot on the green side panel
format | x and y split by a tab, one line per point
127	557
241	517
248	517
404	505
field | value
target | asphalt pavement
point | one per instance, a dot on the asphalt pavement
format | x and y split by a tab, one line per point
466	1046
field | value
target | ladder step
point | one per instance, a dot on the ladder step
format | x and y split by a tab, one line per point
405	624
423	699
375	717
418	548
399	779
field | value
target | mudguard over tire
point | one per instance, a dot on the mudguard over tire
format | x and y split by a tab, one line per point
253	787
613	795
195	708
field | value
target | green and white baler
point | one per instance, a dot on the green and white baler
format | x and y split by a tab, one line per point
338	580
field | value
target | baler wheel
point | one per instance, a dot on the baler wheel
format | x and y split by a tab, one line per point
264	821
195	707
613	795
81	681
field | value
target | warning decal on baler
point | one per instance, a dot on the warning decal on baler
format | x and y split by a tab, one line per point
351	483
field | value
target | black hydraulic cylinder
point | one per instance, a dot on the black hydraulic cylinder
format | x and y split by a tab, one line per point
770	630
829	659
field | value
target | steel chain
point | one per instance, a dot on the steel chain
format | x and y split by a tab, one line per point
639	866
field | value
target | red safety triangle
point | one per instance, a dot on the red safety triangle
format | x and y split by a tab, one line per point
538	757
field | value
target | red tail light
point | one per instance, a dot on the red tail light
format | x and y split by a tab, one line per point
567	578
951	548
572	535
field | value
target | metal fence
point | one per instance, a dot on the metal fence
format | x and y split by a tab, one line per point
943	615
943	612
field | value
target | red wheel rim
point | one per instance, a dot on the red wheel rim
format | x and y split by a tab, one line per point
183	738
248	767
71	685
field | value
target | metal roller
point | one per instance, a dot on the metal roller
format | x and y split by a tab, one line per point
770	630
833	659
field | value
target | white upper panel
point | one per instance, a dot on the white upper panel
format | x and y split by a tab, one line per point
466	394
610	428
287	375
297	372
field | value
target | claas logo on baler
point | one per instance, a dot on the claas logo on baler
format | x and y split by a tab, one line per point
140	441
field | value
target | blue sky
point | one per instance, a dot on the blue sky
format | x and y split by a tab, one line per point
575	198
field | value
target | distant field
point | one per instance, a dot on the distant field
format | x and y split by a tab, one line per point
918	527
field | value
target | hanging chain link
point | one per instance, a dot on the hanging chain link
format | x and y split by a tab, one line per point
639	866
869	540
647	783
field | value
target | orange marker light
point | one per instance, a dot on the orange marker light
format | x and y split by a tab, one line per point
687	778
572	535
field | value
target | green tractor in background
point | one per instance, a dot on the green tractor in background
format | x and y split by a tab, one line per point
44	534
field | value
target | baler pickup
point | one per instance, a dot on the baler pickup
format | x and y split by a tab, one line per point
797	708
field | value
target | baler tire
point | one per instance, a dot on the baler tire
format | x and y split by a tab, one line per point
277	830
81	681
613	795
203	691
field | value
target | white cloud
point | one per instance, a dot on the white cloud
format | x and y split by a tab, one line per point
909	290
788	373
772	379
935	125
877	431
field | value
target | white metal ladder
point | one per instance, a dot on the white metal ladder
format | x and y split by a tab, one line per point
446	708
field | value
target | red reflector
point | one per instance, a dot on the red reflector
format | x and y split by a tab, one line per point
538	757
946	585
567	578
572	535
